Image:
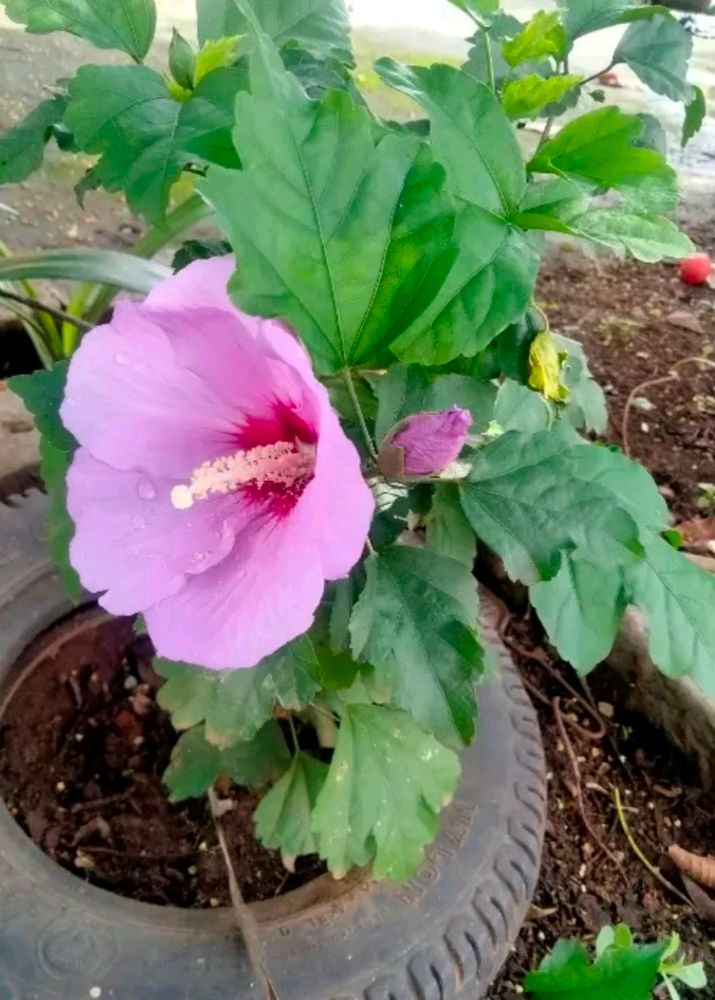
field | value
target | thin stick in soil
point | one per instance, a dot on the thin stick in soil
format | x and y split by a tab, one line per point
556	705
639	853
244	918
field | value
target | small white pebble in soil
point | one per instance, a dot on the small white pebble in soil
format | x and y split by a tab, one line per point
203	846
582	871
651	805
95	992
214	902
645	427
137	741
192	870
606	709
60	786
130	682
677	824
79	737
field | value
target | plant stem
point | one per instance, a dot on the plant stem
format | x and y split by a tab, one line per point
58	314
359	414
601	72
294	735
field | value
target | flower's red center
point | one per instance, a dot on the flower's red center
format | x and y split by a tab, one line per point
272	468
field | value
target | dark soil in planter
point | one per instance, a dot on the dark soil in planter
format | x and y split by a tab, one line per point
83	745
582	887
628	317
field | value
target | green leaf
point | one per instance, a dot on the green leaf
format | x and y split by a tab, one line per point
628	973
677	598
182	60
317	181
581	17
478	7
387	782
218	53
107	267
695	113
42	393
448	532
196	764
128	25
408	389
492	278
648	238
519	408
284	815
600	147
471	136
581	609
22	148
542	36
527	97
421	608
586	408
53	468
658	51
320	26
191	250
146	138
551	205
234	704
529	496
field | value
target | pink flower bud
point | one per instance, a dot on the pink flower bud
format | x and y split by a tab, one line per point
425	443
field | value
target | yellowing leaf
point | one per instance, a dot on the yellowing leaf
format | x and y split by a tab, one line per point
543	36
525	98
546	364
214	55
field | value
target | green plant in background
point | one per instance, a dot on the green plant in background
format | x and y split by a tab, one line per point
621	970
404	256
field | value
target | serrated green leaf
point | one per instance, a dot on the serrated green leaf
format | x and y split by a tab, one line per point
234	704
601	148
649	238
527	97
542	36
447	530
42	393
217	53
196	764
519	408
530	496
54	466
471	136
129	25
146	138
492	278
586	408
628	973
581	17
387	782
658	51
320	26
420	608
316	179
22	148
552	204
581	609
284	815
677	598
408	389
695	112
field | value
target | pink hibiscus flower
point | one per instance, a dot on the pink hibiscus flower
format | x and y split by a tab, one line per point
214	489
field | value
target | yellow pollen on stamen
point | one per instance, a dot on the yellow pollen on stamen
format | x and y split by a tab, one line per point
282	463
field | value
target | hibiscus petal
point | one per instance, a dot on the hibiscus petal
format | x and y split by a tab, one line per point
255	601
132	543
337	505
131	404
203	283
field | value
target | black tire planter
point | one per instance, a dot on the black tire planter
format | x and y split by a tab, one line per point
443	934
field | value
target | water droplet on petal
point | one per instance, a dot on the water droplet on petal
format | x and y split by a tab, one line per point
121	358
146	489
139	522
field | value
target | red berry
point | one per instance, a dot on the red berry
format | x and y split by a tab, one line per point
695	270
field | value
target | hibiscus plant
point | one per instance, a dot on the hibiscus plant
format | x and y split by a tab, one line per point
284	458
